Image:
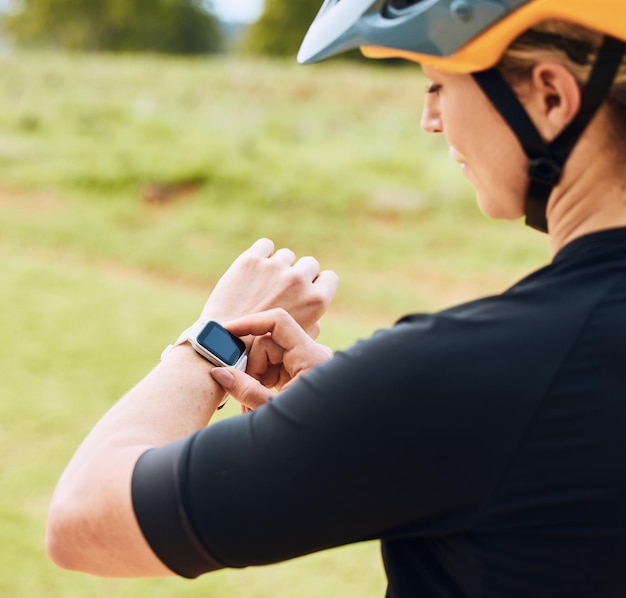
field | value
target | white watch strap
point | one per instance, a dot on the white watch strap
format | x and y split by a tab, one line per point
185	336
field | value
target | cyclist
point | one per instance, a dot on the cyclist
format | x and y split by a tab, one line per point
483	445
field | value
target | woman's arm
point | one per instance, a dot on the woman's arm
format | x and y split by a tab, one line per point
91	522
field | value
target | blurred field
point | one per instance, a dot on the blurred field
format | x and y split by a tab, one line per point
127	185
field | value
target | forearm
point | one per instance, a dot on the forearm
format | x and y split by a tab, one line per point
174	400
91	525
91	522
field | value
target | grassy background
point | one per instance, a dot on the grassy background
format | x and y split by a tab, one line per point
127	185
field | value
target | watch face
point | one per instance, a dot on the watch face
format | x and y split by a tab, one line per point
227	347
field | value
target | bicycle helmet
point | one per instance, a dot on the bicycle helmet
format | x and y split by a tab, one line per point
470	36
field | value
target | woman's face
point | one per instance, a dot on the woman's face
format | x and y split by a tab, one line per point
480	140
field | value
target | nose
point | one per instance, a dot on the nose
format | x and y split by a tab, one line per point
431	117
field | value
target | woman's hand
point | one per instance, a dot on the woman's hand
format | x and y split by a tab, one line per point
282	352
261	279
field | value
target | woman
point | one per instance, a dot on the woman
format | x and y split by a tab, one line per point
499	468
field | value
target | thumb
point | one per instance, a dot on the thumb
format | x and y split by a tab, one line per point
243	388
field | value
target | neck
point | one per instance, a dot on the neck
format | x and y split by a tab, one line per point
591	199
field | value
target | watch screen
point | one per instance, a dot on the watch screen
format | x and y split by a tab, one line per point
221	343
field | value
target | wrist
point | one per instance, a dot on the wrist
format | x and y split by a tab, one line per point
192	371
213	344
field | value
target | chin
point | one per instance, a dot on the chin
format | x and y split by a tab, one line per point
499	208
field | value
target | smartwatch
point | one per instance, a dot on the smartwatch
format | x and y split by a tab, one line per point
216	344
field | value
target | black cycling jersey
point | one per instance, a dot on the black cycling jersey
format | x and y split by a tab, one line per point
484	445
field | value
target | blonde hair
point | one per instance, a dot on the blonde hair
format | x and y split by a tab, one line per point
576	48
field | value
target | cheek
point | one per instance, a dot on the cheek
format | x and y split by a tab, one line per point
496	163
501	191
501	175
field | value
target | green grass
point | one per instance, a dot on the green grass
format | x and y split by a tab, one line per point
97	277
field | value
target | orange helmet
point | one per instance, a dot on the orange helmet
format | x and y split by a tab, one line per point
456	36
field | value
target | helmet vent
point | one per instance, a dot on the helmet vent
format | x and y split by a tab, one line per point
402	4
397	8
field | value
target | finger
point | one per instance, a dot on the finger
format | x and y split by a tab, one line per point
327	350
308	266
272	377
262	247
283	379
263	354
284	256
329	281
286	332
315	330
243	388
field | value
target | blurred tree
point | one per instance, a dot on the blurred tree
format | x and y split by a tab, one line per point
282	27
172	26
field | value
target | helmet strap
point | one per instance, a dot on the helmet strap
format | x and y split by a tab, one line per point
547	160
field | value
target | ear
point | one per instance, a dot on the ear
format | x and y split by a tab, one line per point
552	98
